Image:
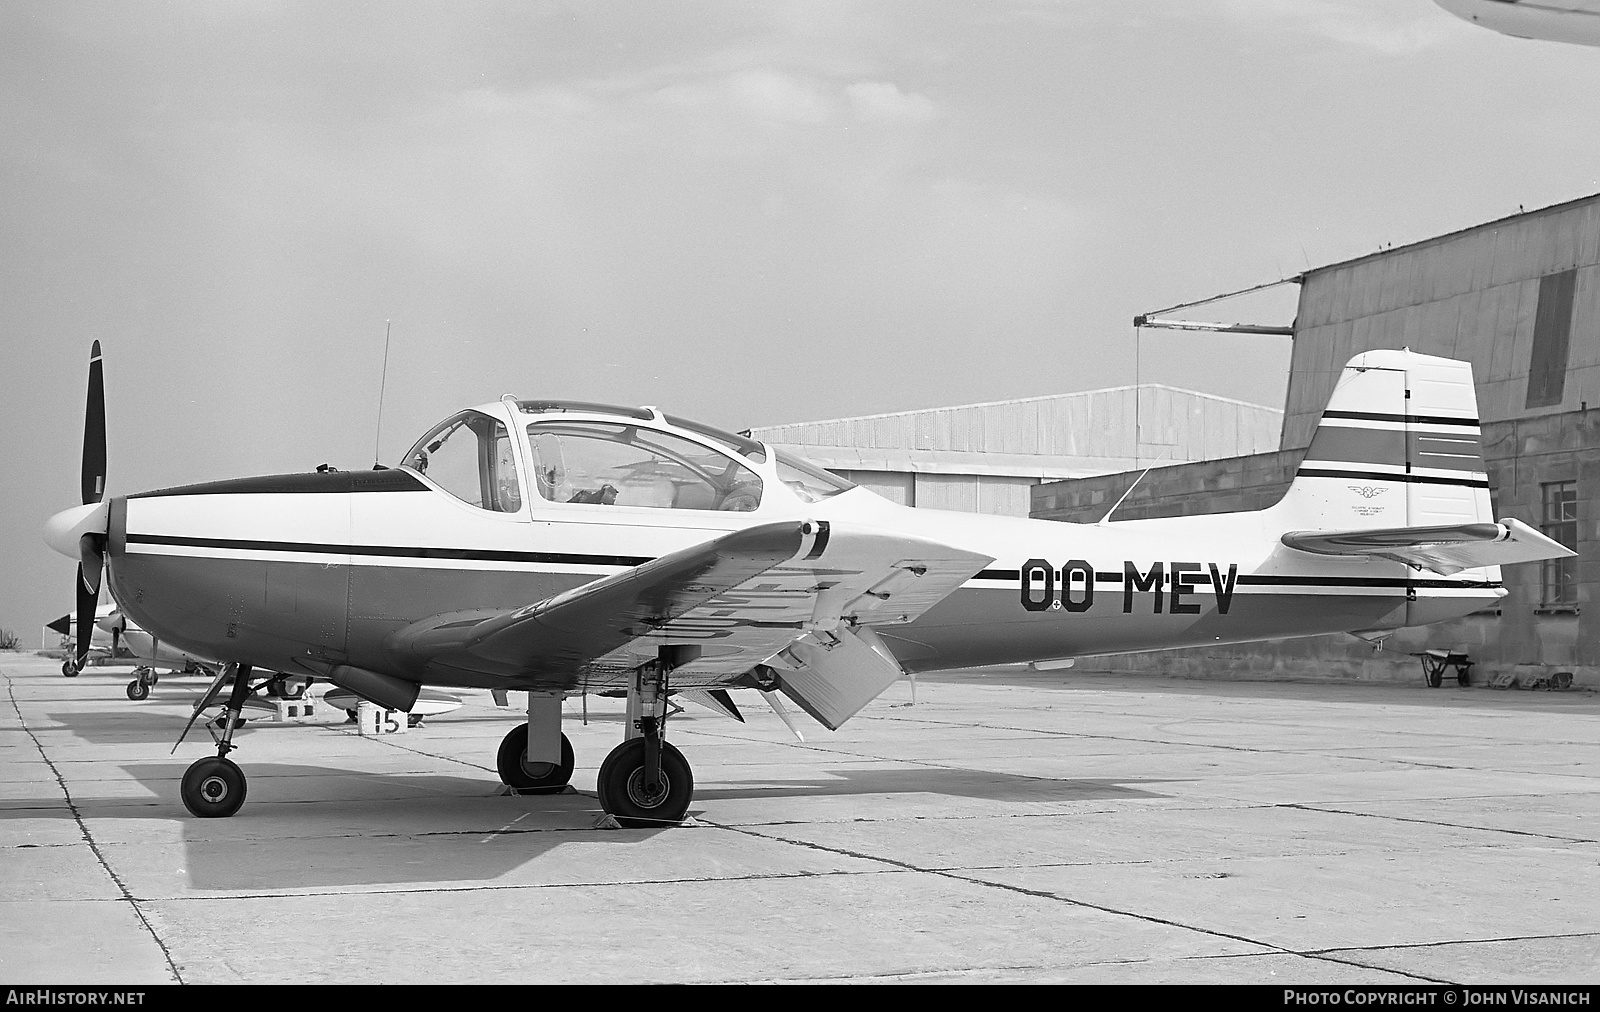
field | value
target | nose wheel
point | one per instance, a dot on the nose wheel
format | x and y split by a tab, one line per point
214	787
139	688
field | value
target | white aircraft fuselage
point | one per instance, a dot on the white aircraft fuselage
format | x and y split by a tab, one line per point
326	567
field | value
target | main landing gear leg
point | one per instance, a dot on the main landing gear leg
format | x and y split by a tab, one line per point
535	757
645	782
215	788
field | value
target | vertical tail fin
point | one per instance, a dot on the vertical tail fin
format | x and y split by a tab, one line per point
1399	445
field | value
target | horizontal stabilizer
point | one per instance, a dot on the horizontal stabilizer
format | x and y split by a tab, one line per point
1445	550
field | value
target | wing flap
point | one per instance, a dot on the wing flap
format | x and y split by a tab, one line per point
1445	550
858	576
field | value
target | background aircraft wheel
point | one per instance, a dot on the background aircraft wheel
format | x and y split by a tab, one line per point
539	778
622	793
69	669
137	690
213	788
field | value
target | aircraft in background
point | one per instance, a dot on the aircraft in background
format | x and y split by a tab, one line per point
562	548
1574	21
113	637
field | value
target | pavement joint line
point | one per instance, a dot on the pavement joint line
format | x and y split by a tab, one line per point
1057	897
985	970
1160	741
1461	941
386	740
1436	822
913	975
345	893
88	837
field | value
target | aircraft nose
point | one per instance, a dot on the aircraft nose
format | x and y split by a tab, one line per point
63	531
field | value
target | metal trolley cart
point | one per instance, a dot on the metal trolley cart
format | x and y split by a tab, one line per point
1436	662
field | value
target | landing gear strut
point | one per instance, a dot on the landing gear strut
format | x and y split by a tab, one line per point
214	788
645	782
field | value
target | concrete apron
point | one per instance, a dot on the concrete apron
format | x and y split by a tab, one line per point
1008	827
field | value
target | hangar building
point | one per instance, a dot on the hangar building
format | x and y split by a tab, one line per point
987	458
1519	298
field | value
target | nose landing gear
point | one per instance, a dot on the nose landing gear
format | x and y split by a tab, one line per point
214	788
144	679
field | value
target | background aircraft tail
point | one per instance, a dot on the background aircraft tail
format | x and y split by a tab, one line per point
1399	445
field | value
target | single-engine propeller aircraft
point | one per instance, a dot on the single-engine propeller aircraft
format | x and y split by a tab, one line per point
113	637
561	548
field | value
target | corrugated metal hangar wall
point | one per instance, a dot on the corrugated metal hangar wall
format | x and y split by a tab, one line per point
1520	299
986	458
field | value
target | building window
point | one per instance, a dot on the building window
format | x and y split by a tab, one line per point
1552	325
1561	524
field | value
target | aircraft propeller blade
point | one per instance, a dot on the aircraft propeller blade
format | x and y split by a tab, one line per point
91	557
776	702
88	598
94	432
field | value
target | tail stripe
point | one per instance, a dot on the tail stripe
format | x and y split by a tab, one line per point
1414	479
1380	416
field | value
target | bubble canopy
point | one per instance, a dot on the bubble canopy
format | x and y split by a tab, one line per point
588	454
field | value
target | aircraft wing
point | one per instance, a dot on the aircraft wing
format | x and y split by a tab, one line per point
1444	550
741	598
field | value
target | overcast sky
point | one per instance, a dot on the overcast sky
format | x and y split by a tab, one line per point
748	213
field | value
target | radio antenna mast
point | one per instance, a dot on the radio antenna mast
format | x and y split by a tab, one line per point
383	383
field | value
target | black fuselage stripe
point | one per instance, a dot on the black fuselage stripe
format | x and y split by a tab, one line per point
1204	579
1411	479
629	561
1381	416
391	551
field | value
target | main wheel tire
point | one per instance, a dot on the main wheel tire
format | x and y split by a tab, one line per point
534	778
137	690
622	793
213	788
